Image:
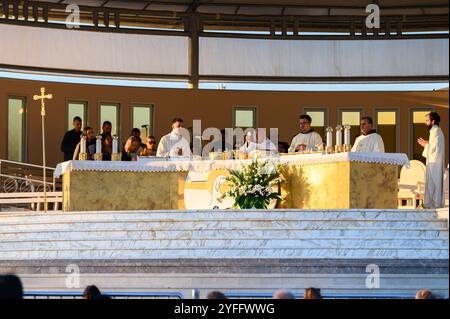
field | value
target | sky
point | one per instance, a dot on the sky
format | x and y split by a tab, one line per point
429	86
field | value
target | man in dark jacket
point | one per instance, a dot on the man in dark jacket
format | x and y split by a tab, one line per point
71	139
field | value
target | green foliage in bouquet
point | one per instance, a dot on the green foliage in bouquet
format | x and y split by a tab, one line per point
253	186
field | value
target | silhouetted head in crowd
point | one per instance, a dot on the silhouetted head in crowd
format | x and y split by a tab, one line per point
425	294
10	287
92	293
283	294
216	295
312	293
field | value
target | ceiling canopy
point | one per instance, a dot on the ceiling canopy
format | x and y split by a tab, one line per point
247	15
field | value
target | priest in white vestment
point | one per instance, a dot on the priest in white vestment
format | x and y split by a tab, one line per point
434	152
307	139
369	141
260	143
174	144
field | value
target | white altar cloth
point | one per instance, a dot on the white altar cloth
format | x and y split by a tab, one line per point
179	165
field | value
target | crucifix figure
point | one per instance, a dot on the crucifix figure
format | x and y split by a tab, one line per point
42	98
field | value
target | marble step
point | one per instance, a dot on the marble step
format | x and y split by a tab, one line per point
224	225
220	215
286	253
365	234
174	244
207	231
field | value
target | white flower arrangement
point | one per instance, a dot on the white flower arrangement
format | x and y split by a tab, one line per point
253	186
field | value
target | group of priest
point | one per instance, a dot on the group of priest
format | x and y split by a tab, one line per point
175	144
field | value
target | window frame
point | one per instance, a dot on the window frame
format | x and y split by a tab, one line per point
24	99
85	108
118	115
254	109
397	123
151	106
347	109
325	110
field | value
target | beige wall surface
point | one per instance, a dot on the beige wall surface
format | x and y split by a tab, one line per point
213	107
338	58
93	51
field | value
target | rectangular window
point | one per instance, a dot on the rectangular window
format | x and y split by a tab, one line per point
386	123
143	119
244	117
17	129
419	129
352	118
110	112
319	120
76	109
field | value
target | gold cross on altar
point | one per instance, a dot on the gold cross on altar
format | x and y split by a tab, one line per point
43	97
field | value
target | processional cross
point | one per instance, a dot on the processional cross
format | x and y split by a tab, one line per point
42	98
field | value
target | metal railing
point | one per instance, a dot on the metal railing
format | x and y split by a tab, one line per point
112	295
22	186
196	295
252	295
17	177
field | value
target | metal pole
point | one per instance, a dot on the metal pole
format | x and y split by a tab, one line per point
44	161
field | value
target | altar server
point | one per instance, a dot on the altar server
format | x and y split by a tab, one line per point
71	139
307	138
174	144
369	141
434	152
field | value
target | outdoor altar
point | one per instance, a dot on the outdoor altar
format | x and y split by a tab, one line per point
312	181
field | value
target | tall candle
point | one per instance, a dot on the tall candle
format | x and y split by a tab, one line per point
339	135
347	135
329	137
115	145
83	144
98	145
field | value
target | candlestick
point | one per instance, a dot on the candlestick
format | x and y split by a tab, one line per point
98	156
339	135
83	144
115	144
98	144
339	147
115	156
329	149
329	136
347	146
347	134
